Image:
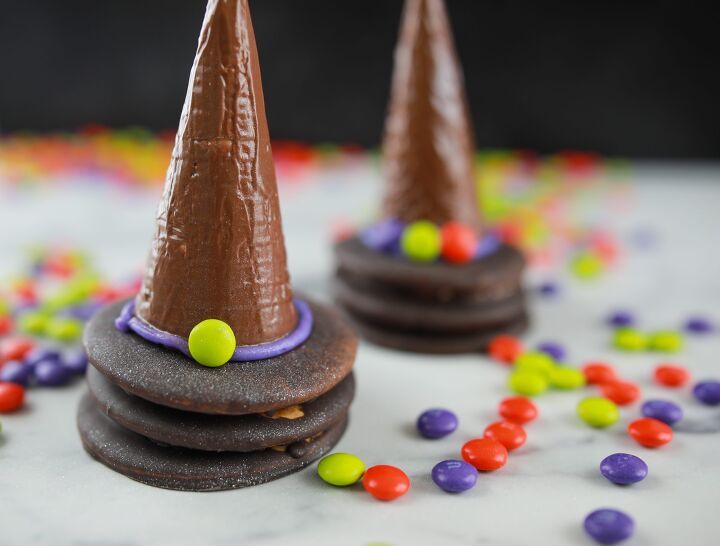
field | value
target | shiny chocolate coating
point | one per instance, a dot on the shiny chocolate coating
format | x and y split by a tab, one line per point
218	249
429	145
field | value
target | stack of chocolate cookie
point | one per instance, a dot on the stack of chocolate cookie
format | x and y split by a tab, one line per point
434	306
155	411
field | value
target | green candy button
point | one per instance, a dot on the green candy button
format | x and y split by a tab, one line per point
212	343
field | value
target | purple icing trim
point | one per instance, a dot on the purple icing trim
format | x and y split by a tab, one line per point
127	321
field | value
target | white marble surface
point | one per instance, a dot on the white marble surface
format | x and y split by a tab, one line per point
52	493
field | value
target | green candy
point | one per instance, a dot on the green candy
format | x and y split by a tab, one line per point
421	241
535	361
598	412
34	322
341	469
64	329
212	343
629	339
666	341
527	382
563	377
587	266
4	307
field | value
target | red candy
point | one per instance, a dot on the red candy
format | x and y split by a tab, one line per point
15	348
671	376
485	454
599	373
11	397
505	348
620	392
650	432
6	324
511	435
518	409
459	243
386	482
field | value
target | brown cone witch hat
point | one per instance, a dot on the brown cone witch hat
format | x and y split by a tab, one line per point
429	145
218	249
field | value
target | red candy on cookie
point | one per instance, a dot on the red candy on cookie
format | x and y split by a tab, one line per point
459	243
385	482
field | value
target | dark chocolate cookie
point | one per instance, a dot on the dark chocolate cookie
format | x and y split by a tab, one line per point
190	470
220	432
171	379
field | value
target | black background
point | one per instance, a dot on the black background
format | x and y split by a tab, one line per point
623	78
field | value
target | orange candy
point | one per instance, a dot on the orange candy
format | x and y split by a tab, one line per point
505	348
511	435
485	454
599	373
459	243
650	432
518	409
669	375
385	482
620	392
12	397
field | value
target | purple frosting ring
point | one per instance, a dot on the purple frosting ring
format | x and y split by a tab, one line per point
128	322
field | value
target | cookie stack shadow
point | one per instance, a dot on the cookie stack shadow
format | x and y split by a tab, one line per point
158	417
430	308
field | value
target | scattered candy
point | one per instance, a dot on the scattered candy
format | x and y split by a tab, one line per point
598	373
212	343
454	476
437	423
563	377
620	392
621	319
12	397
548	289
666	341
15	348
628	339
33	322
16	372
76	362
421	241
485	454
509	434
459	243
527	383
587	265
49	373
535	361
623	468
553	349
662	410
505	348
650	432
609	526
341	469
671	376
699	325
386	482
598	412
6	324
64	329
39	354
518	409
707	392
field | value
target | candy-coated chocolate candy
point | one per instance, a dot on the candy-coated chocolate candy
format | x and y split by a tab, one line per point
454	476
620	392
459	243
609	526
211	343
563	377
518	409
666	341
341	469
385	482
485	454
33	322
76	362
528	383
39	354
15	348
421	241
383	236
548	289
4	307
437	423
51	373
670	375
16	372
535	361
707	392
587	265
662	410
553	349
12	396
64	329
6	324
505	348
629	339
597	373
699	325
650	432
509	434
623	468
598	412
621	319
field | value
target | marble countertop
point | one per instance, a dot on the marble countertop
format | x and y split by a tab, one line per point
52	492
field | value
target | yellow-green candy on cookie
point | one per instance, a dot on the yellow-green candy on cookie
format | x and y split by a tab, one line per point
598	412
341	469
421	241
211	343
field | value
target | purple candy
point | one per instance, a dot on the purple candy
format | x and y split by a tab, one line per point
553	349
707	392
50	373
623	468
16	372
76	362
609	526
621	319
699	325
383	236
487	245
436	423
548	289
39	354
662	410
454	476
